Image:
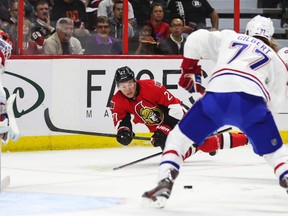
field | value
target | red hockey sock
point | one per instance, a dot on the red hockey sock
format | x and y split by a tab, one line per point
223	141
211	144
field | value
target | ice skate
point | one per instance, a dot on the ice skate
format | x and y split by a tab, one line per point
158	196
284	183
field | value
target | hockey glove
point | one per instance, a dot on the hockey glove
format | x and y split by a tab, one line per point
192	83
124	135
189	66
160	135
190	78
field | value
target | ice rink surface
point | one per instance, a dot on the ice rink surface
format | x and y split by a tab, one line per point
82	182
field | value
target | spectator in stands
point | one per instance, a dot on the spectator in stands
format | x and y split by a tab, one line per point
105	8
29	46
147	42
194	13
116	25
142	9
75	10
161	29
42	28
175	43
6	14
62	41
101	43
4	11
91	14
94	3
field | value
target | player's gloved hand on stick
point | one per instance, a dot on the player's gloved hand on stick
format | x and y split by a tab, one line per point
124	135
160	135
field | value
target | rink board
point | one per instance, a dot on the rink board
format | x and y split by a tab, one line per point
77	91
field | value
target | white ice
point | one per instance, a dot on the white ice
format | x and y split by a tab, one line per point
82	182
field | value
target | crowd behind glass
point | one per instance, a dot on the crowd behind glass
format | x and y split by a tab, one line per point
96	26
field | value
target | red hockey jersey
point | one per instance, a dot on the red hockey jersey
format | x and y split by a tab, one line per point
149	107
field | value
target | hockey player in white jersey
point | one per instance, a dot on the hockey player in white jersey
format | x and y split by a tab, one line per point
8	126
248	81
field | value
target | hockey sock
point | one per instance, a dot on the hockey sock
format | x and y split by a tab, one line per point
223	141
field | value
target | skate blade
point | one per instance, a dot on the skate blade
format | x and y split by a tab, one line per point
159	202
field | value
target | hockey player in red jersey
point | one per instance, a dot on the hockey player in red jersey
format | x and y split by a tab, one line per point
153	105
8	126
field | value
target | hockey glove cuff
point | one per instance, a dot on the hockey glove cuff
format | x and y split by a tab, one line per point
198	84
160	135
189	66
124	135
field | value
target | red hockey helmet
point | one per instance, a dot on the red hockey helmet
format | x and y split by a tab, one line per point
5	44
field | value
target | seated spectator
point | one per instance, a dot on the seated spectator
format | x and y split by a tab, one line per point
116	25
175	43
9	25
194	14
4	11
147	43
75	10
62	41
42	28
100	43
142	9
29	46
91	14
105	8
161	29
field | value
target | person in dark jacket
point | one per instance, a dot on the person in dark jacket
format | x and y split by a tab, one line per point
175	43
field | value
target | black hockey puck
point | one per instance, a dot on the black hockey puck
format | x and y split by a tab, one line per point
188	186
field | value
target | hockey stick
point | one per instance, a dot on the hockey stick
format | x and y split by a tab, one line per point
137	161
52	127
159	153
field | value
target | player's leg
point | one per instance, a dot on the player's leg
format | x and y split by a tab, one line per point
3	114
8	126
268	142
177	144
225	140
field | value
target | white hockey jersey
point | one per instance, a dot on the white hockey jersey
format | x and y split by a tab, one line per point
243	64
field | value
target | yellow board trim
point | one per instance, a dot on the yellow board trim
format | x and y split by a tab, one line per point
68	142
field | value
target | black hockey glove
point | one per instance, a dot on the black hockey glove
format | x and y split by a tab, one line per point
160	135
124	135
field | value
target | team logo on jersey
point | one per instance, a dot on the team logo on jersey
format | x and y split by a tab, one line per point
150	115
196	3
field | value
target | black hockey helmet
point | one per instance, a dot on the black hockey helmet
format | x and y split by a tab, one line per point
124	74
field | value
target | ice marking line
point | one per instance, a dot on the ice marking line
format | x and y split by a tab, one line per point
37	203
